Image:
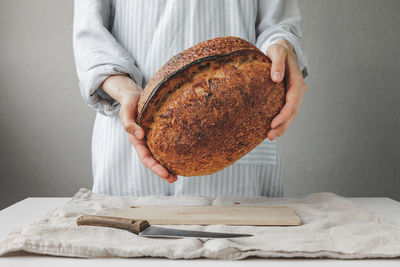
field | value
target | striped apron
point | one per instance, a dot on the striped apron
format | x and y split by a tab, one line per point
152	31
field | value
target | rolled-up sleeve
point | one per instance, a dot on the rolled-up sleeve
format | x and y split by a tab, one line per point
280	19
98	54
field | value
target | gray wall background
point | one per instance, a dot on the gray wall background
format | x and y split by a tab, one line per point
345	138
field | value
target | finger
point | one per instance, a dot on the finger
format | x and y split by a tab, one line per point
274	133
145	156
296	89
148	160
278	54
289	108
127	116
172	178
294	69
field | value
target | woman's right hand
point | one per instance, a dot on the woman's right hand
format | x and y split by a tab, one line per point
127	93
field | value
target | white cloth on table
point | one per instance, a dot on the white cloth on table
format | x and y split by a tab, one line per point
333	227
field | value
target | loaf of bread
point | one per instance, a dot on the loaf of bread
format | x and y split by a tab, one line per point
209	105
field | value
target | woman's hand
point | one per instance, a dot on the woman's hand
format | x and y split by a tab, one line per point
127	93
284	61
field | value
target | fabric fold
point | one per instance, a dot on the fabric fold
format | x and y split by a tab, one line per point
333	227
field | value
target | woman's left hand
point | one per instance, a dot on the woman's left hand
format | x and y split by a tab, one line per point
285	66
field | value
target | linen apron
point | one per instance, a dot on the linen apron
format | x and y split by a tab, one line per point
151	32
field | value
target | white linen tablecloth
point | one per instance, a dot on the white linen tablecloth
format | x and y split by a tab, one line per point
333	227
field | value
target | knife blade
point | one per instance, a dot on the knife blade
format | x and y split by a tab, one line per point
143	228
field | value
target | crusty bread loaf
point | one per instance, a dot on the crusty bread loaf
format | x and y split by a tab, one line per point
209	105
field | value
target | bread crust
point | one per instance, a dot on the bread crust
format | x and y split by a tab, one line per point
209	105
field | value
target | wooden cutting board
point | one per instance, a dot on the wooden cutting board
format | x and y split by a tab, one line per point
206	215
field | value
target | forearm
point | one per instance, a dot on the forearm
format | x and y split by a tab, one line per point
98	54
121	87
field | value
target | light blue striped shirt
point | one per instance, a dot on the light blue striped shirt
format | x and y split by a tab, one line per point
136	38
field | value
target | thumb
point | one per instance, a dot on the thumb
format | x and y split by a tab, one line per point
127	116
277	53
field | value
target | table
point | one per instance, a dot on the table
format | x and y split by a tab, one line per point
32	209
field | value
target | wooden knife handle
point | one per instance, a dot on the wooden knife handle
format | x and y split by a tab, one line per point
134	226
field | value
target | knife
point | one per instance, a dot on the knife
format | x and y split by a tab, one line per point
143	228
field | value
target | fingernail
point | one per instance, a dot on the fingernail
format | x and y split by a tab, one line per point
137	133
276	76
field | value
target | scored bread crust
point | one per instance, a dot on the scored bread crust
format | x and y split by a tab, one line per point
215	47
209	105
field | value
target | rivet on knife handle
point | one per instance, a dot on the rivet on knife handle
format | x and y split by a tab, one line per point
134	226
